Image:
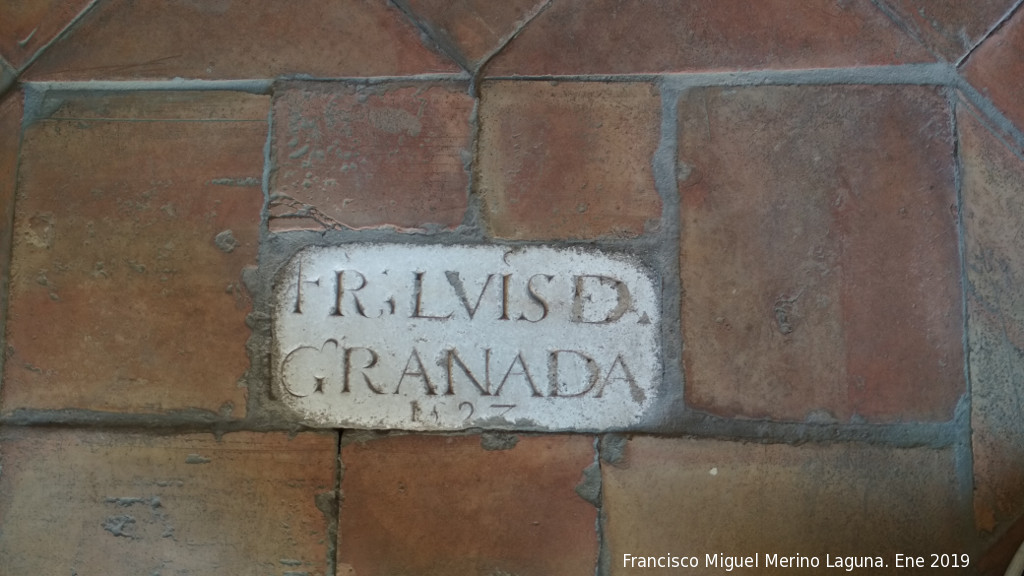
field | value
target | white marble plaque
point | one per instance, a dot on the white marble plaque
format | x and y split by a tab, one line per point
395	336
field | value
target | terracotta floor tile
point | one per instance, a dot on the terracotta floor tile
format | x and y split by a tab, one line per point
993	184
707	497
135	217
435	505
387	155
223	39
571	160
819	253
95	502
613	37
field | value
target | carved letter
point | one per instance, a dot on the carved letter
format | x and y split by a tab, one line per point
417	305
623	299
524	373
298	289
453	358
460	291
339	292
306	369
536	297
370	364
420	372
554	373
627	376
505	279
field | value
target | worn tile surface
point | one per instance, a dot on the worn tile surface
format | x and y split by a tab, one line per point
475	28
568	160
10	136
135	217
614	37
95	502
704	497
993	215
948	27
819	253
996	68
222	39
434	506
8	76
26	26
387	155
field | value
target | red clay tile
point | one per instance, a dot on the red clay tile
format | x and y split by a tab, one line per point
950	28
94	502
10	135
568	160
612	37
819	257
11	106
218	39
475	28
7	76
26	26
435	505
996	68
135	217
708	497
370	155
993	191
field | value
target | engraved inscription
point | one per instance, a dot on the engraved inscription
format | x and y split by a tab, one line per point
452	337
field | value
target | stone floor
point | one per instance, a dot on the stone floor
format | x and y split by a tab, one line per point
827	197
